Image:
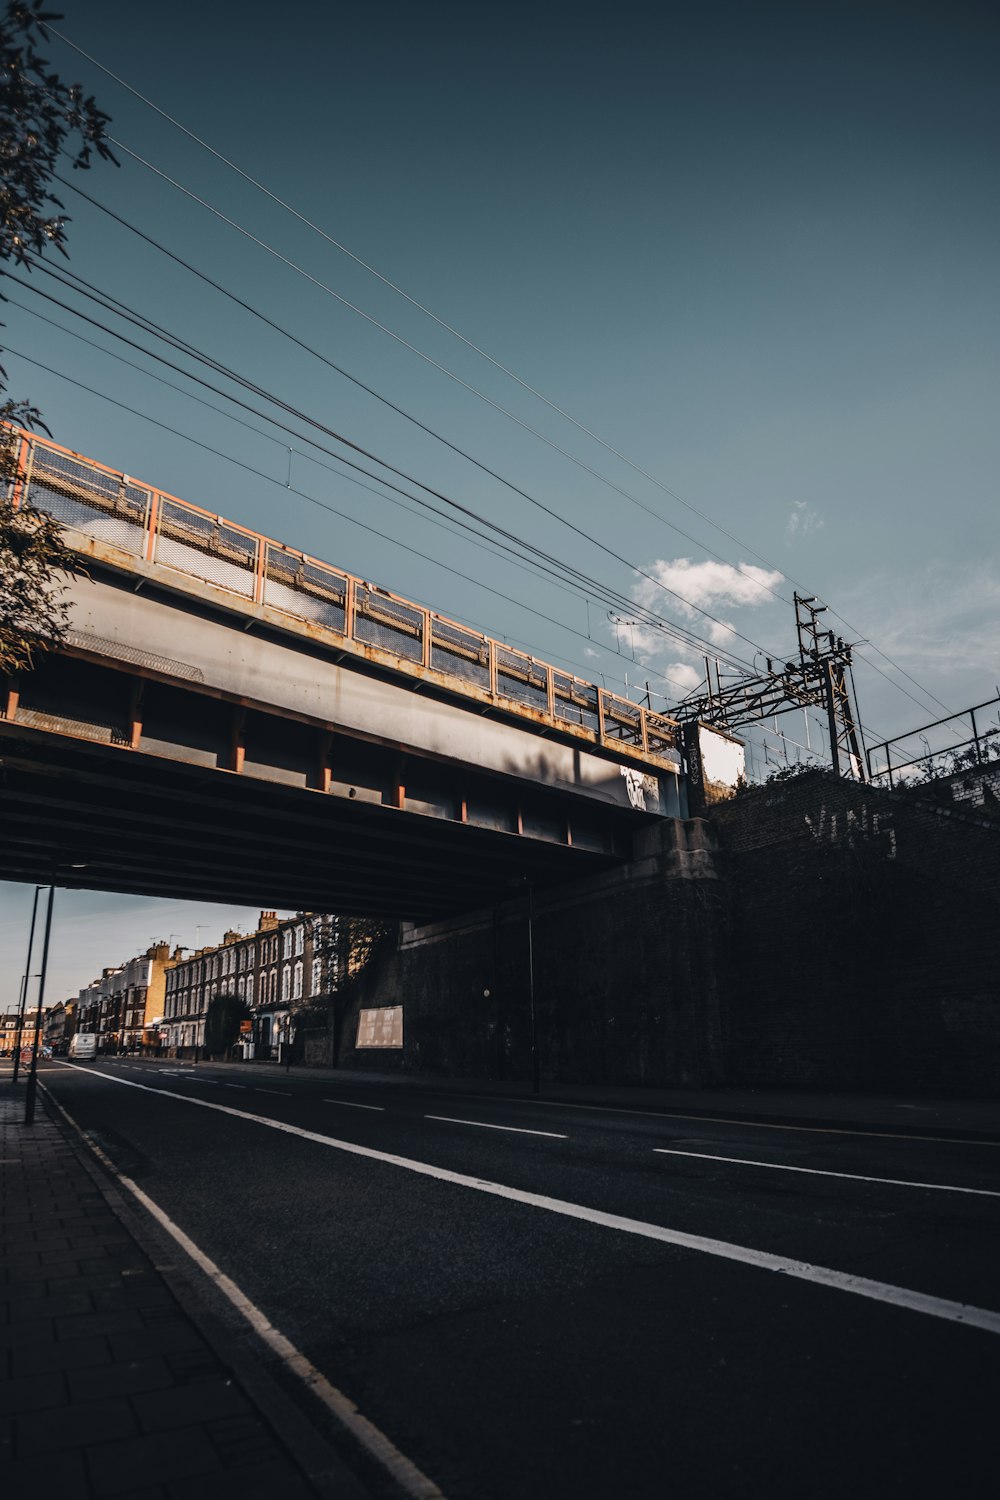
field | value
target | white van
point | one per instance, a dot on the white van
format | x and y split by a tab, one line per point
83	1046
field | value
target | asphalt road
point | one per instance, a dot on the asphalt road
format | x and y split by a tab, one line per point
537	1301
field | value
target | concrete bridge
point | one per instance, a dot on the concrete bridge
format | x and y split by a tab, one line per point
231	719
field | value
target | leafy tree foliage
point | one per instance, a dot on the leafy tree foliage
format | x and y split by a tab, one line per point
222	1022
41	118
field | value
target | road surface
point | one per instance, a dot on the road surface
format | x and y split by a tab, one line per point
537	1300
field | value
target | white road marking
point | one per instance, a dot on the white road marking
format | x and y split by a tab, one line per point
482	1125
666	1114
774	1166
283	1093
232	1086
350	1104
859	1286
406	1474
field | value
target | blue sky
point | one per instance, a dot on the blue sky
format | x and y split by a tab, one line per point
752	246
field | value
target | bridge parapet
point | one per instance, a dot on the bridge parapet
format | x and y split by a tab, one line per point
139	527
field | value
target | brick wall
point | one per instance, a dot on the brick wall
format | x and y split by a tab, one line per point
627	985
813	933
864	932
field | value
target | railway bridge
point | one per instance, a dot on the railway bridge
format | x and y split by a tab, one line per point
231	719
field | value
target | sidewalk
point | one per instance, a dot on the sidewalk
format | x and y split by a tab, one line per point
107	1385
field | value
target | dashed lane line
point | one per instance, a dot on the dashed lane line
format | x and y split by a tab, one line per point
985	1319
775	1166
482	1125
350	1104
668	1114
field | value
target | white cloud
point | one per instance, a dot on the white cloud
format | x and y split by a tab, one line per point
682	677
706	585
801	521
589	651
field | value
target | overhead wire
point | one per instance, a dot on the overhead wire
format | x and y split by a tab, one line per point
69	279
542	437
469	343
314	500
355	380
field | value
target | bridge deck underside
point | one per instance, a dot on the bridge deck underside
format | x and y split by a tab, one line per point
106	818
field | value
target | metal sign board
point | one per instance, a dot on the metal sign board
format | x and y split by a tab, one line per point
381	1027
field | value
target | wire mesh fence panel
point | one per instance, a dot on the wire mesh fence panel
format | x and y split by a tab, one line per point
206	548
305	589
460	653
622	720
522	678
95	726
661	734
103	505
575	701
388	623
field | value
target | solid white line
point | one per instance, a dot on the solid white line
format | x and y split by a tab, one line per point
666	1114
860	1286
349	1104
482	1125
775	1166
406	1474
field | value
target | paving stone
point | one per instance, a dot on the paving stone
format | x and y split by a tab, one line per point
186	1404
90	1323
64	1478
275	1481
78	1424
169	1338
130	1379
62	1305
65	1354
16	1335
32	1392
132	1463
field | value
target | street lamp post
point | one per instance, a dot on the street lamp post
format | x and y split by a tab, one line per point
25	981
29	1098
535	1067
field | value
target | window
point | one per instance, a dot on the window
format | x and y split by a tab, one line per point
272	987
249	989
297	983
286	981
317	976
286	943
300	939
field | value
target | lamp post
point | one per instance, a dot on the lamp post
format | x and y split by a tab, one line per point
535	1065
29	1098
25	980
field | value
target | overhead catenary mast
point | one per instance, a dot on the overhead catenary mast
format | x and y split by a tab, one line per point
820	678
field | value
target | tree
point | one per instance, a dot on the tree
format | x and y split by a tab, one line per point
41	118
33	613
222	1022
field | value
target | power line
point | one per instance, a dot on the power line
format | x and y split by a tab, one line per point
469	343
70	280
362	385
313	500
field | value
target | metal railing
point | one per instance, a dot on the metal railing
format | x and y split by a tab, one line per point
150	525
940	753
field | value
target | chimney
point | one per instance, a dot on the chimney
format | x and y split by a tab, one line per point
268	920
